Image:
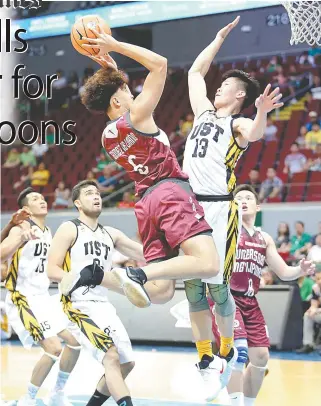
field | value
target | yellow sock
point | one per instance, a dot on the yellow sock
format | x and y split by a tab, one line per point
204	347
226	345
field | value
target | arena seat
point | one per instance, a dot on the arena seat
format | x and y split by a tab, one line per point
297	187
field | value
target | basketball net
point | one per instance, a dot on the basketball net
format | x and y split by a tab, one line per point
305	20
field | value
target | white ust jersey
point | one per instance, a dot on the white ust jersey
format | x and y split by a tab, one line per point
211	155
28	266
90	246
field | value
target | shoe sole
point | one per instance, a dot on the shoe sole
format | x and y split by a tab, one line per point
134	292
68	282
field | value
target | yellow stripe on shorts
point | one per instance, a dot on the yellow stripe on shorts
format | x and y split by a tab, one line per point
25	313
231	241
98	338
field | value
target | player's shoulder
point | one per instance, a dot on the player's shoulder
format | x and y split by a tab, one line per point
114	233
69	226
111	129
266	236
205	115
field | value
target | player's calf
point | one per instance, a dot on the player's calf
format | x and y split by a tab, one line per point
102	393
114	378
255	372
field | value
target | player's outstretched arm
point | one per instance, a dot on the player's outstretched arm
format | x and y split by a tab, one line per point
199	69
16	219
61	242
282	270
18	235
125	245
144	104
253	130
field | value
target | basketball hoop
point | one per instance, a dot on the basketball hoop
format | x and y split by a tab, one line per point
305	20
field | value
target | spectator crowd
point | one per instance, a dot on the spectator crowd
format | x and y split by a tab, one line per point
303	155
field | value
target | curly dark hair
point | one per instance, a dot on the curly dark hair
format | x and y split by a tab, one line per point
251	85
100	87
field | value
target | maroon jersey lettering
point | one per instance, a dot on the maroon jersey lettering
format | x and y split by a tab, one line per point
146	158
250	260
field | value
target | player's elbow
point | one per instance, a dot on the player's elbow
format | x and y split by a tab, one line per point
162	65
193	72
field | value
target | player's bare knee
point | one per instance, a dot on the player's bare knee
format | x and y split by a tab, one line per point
111	358
55	350
52	346
260	358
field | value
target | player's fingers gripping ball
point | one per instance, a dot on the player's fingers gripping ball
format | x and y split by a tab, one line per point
83	29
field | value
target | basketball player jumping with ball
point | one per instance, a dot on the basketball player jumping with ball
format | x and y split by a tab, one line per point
168	214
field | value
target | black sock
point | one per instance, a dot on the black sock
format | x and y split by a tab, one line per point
97	399
126	401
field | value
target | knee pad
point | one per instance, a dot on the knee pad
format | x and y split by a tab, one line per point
53	357
196	295
75	348
223	299
242	348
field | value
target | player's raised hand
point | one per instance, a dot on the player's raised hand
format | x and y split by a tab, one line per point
224	32
307	267
104	43
267	102
20	216
106	61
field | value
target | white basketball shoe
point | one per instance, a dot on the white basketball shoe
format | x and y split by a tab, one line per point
27	401
211	370
58	399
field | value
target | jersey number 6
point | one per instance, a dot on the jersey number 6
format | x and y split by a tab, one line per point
143	170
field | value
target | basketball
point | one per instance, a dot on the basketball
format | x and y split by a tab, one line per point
82	28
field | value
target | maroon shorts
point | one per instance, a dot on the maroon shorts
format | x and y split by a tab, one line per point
168	215
249	322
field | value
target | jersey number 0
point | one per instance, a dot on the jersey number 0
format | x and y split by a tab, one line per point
203	130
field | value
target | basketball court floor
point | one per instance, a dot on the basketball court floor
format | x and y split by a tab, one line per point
164	376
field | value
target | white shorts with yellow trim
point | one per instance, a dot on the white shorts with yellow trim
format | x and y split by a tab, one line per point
100	328
225	218
40	311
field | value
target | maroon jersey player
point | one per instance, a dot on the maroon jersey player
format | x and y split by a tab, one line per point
168	214
255	249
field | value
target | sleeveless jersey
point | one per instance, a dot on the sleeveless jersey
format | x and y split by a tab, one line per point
90	246
250	261
28	266
211	155
147	158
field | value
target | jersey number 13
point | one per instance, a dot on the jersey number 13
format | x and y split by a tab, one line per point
200	132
